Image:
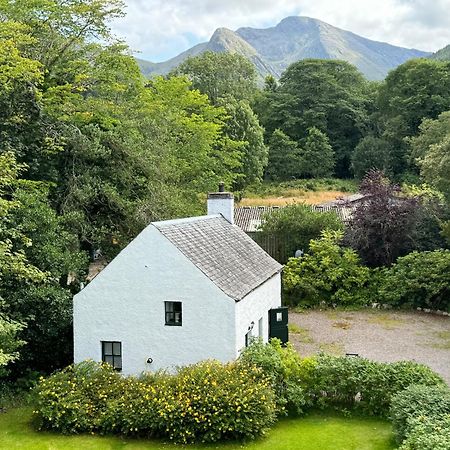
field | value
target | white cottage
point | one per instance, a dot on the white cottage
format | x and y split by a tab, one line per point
182	291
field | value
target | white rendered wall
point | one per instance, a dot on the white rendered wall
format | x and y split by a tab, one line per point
221	205
125	303
254	306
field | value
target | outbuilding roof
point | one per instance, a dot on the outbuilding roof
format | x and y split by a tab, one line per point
222	251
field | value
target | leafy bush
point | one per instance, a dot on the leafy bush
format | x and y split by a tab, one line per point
204	402
288	373
295	225
75	399
329	273
418	402
428	434
345	382
419	279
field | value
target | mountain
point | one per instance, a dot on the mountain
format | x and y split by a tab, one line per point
272	50
443	54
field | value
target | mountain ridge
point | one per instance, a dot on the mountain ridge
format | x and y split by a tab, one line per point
273	49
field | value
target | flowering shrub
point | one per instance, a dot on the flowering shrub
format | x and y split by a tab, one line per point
204	402
73	400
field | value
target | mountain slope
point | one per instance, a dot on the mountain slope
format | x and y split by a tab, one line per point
273	49
443	54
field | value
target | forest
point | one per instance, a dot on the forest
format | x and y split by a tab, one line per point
91	152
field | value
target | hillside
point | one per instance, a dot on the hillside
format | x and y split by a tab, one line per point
273	49
443	54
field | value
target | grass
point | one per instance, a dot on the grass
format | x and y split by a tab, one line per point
301	333
304	191
386	321
332	348
318	431
443	340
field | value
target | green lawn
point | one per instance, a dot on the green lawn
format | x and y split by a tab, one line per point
314	432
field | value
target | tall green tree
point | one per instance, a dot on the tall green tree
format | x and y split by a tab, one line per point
371	153
416	90
317	156
329	95
284	157
220	75
242	125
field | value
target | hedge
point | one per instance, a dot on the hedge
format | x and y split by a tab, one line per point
206	402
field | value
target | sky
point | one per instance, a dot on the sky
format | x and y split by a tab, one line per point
160	29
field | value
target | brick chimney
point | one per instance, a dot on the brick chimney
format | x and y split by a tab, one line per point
221	203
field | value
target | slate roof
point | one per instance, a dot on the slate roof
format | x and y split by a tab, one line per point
222	251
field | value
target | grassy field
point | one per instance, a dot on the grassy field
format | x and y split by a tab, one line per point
318	431
305	191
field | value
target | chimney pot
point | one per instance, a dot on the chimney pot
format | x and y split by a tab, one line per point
221	186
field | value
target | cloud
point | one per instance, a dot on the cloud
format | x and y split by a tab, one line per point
160	29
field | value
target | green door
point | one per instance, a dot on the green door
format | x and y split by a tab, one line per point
278	324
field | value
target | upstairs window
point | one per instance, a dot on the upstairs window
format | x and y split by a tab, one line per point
173	313
112	353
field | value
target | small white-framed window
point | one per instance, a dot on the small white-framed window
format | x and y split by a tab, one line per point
260	328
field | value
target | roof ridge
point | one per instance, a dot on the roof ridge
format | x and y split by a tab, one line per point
163	223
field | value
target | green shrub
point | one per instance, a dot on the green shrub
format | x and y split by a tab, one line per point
428	434
75	399
328	273
204	402
346	383
295	225
289	374
418	401
420	279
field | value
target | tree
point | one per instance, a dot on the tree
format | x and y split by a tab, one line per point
295	225
371	153
242	126
383	227
9	343
435	166
284	158
415	90
220	75
327	273
329	95
431	131
316	156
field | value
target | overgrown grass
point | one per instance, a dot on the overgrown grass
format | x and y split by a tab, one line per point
318	431
307	191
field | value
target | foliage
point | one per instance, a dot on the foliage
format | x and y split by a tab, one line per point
371	153
295	225
329	95
419	279
287	372
349	382
284	157
327	274
384	225
220	75
413	91
205	402
417	401
242	126
435	166
428	434
316	156
9	343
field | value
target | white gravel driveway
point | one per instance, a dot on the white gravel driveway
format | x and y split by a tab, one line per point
381	335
